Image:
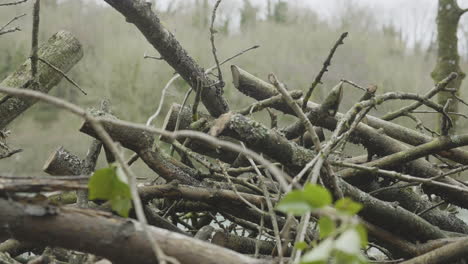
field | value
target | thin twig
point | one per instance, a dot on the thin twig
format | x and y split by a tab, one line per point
213	46
108	142
13	3
353	84
326	63
175	77
437	88
431	208
276	172
196	101
434	112
271	211
35	36
152	57
8	23
64	75
400	176
328	177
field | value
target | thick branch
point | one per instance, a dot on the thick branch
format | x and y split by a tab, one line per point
139	13
261	90
62	50
119	240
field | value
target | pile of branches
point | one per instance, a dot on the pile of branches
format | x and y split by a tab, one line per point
216	200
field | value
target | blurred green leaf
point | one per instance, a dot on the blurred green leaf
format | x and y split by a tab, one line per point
294	203
344	258
319	254
110	184
348	206
326	226
121	205
100	184
362	235
301	245
317	196
349	242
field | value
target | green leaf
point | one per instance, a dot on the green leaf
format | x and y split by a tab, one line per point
295	203
121	205
326	226
111	184
319	254
362	235
349	242
343	258
317	196
100	184
348	206
301	245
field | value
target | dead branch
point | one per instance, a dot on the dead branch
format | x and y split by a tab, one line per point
117	239
63	50
142	16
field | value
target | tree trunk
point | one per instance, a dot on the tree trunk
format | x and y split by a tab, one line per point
448	60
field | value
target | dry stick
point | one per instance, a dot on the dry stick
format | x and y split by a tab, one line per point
270	210
260	229
168	85
446	254
329	177
431	208
446	124
337	191
326	63
399	176
354	84
260	105
434	112
448	173
35	33
277	173
254	207
108	142
213	46
459	99
152	57
196	102
64	75
14	3
8	23
11	30
10	153
175	77
439	87
437	145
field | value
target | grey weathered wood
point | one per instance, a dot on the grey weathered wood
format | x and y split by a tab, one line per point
63	51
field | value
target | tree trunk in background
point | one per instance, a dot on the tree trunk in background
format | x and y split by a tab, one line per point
448	16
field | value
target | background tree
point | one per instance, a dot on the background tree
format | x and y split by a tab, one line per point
448	58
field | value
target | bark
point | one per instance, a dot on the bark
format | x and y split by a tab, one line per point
392	217
413	202
119	240
451	252
243	245
372	139
63	162
448	59
139	13
63	51
141	142
261	90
